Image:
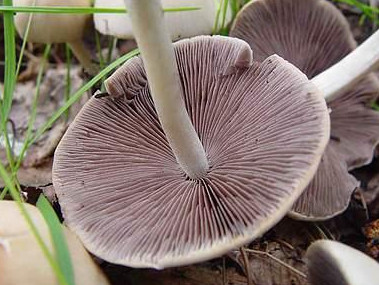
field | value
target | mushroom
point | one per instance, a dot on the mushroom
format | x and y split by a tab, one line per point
127	181
22	260
314	35
57	28
181	25
332	262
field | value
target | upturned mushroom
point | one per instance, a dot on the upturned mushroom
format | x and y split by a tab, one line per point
57	28
180	25
22	260
314	35
331	263
196	151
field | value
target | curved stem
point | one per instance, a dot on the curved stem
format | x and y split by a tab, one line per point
84	57
350	69
159	61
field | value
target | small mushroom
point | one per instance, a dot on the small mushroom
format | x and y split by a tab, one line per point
57	28
126	180
314	35
332	262
180	25
22	260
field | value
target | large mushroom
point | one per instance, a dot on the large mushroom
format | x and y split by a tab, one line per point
314	35
180	25
196	151
57	28
332	262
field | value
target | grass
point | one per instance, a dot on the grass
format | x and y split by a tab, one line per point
227	9
368	12
59	241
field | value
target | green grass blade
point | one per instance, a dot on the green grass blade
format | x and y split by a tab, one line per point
10	62
3	193
76	96
79	10
24	41
99	51
224	13
9	78
59	241
111	46
217	18
369	11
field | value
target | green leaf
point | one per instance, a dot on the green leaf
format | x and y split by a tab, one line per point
59	241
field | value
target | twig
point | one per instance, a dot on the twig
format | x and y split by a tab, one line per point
246	264
224	277
253	251
286	244
363	201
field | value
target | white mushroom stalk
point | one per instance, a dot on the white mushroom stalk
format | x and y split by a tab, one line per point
344	74
84	57
159	61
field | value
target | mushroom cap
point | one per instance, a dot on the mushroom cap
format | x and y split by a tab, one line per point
332	262
122	191
180	24
52	28
19	250
314	35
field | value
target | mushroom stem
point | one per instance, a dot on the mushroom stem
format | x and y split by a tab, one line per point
159	61
350	69
84	57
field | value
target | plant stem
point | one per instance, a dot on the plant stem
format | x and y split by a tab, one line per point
159	60
350	69
9	78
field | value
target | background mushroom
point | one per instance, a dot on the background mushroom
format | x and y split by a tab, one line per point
57	28
331	262
313	35
121	187
180	25
20	252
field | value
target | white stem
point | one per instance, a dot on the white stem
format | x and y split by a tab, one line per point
350	69
84	57
159	61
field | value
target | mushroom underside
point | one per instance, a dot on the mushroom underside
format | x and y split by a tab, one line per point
124	194
314	35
